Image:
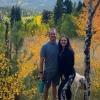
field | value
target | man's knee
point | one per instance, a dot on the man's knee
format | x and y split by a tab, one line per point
54	85
47	86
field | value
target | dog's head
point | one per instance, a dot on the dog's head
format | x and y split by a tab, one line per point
82	82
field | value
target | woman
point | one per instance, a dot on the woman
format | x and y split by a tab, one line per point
66	68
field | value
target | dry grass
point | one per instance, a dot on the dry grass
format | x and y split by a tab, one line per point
78	46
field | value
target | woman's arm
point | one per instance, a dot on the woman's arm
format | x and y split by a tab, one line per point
72	58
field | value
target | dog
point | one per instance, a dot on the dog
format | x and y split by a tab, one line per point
79	81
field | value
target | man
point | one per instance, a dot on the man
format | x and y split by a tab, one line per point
49	64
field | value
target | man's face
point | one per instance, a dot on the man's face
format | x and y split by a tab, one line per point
52	36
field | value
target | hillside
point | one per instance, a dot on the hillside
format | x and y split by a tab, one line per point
36	5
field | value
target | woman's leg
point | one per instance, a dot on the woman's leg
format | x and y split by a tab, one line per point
60	89
64	88
68	86
68	93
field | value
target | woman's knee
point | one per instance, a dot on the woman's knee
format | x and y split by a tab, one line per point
68	93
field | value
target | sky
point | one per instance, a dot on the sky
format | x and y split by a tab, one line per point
32	4
76	0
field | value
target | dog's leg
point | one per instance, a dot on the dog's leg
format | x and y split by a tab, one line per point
76	92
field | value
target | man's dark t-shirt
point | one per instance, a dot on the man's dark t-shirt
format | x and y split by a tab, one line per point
50	52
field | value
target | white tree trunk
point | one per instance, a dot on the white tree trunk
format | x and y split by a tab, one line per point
91	12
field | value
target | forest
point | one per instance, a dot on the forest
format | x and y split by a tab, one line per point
22	34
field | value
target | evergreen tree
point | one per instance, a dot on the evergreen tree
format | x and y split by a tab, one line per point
12	15
15	14
68	26
18	14
46	16
79	7
58	11
68	6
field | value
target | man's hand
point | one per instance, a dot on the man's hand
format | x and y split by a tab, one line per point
41	75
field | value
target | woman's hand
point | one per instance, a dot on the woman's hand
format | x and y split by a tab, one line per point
63	77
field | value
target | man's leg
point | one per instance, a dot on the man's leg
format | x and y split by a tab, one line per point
46	92
54	91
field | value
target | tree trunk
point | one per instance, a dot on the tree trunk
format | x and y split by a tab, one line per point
10	50
91	12
87	52
6	40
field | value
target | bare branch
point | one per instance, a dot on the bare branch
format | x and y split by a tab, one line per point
95	8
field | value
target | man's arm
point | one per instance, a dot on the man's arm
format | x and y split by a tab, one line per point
42	59
41	64
41	71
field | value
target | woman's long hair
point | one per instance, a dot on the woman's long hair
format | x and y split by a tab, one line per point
68	45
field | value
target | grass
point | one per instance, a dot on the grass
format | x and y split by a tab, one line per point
78	46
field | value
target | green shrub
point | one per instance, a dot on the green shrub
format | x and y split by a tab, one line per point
68	26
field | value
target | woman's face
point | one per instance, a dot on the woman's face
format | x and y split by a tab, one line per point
63	41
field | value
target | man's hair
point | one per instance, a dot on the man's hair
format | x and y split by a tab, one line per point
52	30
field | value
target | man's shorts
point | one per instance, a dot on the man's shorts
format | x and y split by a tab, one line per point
51	77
